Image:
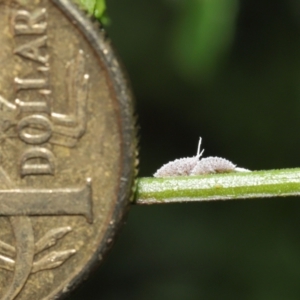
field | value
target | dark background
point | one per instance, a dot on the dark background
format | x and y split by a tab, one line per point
228	71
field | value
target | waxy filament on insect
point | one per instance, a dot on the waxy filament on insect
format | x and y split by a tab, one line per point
195	166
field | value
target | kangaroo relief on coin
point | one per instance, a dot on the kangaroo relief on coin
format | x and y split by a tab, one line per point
67	147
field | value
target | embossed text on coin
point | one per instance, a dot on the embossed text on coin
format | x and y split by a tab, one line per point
66	147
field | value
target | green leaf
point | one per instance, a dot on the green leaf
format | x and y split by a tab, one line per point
203	36
97	8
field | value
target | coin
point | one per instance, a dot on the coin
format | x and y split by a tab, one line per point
67	147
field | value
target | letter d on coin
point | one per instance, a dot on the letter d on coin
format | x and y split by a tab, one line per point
67	147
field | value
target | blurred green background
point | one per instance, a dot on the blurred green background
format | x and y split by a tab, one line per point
228	71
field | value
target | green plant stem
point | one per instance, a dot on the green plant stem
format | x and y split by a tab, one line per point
229	186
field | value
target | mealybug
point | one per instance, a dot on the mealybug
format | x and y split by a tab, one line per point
212	164
193	166
181	166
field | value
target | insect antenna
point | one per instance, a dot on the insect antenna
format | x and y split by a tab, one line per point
198	149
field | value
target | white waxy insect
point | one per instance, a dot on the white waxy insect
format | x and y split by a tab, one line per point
193	166
211	165
181	166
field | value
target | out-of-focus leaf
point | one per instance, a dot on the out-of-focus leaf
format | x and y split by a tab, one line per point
88	5
100	8
203	35
96	8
